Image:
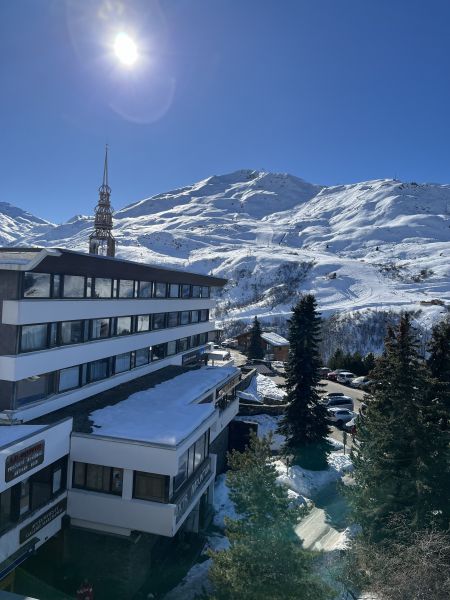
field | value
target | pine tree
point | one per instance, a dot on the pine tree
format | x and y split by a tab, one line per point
265	560
255	349
337	360
439	365
305	421
369	363
401	454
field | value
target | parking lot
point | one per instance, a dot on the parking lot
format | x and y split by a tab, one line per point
357	395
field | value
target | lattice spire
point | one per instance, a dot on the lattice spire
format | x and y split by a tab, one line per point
101	241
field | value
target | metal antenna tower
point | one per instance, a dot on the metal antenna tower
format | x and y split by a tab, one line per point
102	241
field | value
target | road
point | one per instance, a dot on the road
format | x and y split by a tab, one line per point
357	395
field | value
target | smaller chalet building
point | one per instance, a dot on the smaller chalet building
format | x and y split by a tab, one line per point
275	346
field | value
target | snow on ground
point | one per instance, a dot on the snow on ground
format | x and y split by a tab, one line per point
262	387
308	483
266	424
165	414
223	506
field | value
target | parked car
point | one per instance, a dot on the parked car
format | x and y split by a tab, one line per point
339	416
339	402
323	372
361	382
332	375
334	394
345	377
230	343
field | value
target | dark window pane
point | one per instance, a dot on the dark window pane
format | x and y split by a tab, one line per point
183	344
195	341
56	290
203	338
185	290
53	335
174	290
102	288
158	352
32	389
24	504
181	476
41	484
123	325
205	291
72	332
69	378
172	319
196	291
143	323
79	474
142	357
33	337
117	481
73	286
171	348
204	315
184	317
160	290
36	285
159	321
5	509
150	487
98	369
195	316
126	288
99	328
145	289
123	362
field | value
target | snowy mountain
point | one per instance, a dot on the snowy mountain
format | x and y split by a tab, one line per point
367	246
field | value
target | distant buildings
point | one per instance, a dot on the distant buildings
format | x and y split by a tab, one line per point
275	346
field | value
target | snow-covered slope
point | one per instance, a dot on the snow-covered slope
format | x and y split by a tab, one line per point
373	245
15	223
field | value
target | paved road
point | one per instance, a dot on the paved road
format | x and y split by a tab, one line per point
357	395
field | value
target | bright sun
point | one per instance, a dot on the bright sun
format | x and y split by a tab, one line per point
125	49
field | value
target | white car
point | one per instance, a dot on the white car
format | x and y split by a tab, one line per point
360	382
345	377
339	416
340	401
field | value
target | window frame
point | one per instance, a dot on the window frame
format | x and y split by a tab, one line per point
84	486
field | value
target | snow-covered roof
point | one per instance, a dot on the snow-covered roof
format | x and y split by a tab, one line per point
274	339
10	434
165	414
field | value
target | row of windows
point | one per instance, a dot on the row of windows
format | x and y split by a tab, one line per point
45	285
191	460
49	335
39	387
18	501
109	480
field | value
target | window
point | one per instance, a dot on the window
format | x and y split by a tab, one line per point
148	486
185	290
172	319
205	291
196	291
69	379
99	328
204	315
142	357
5	510
203	338
41	487
24	500
160	290
199	452
142	323
183	344
145	289
97	478
72	332
195	316
34	388
181	476
36	285
98	369
73	286
56	287
171	348
33	337
158	352
159	321
123	362
185	317
102	288
174	290
126	288
123	325
53	337
195	341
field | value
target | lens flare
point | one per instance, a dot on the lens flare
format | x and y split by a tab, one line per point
125	49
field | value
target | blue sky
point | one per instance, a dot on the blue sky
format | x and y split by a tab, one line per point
333	91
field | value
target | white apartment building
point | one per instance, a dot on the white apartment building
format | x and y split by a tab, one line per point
108	415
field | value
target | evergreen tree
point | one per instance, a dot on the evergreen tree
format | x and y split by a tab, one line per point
369	363
439	365
255	348
337	360
305	422
401	454
265	560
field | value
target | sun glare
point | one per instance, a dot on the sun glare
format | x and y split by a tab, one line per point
125	49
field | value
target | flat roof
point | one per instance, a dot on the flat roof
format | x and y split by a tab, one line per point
274	339
165	414
10	434
70	262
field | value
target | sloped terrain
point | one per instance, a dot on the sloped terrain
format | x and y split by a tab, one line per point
370	246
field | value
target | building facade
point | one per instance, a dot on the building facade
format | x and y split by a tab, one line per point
108	414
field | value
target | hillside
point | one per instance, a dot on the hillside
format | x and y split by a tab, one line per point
370	246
